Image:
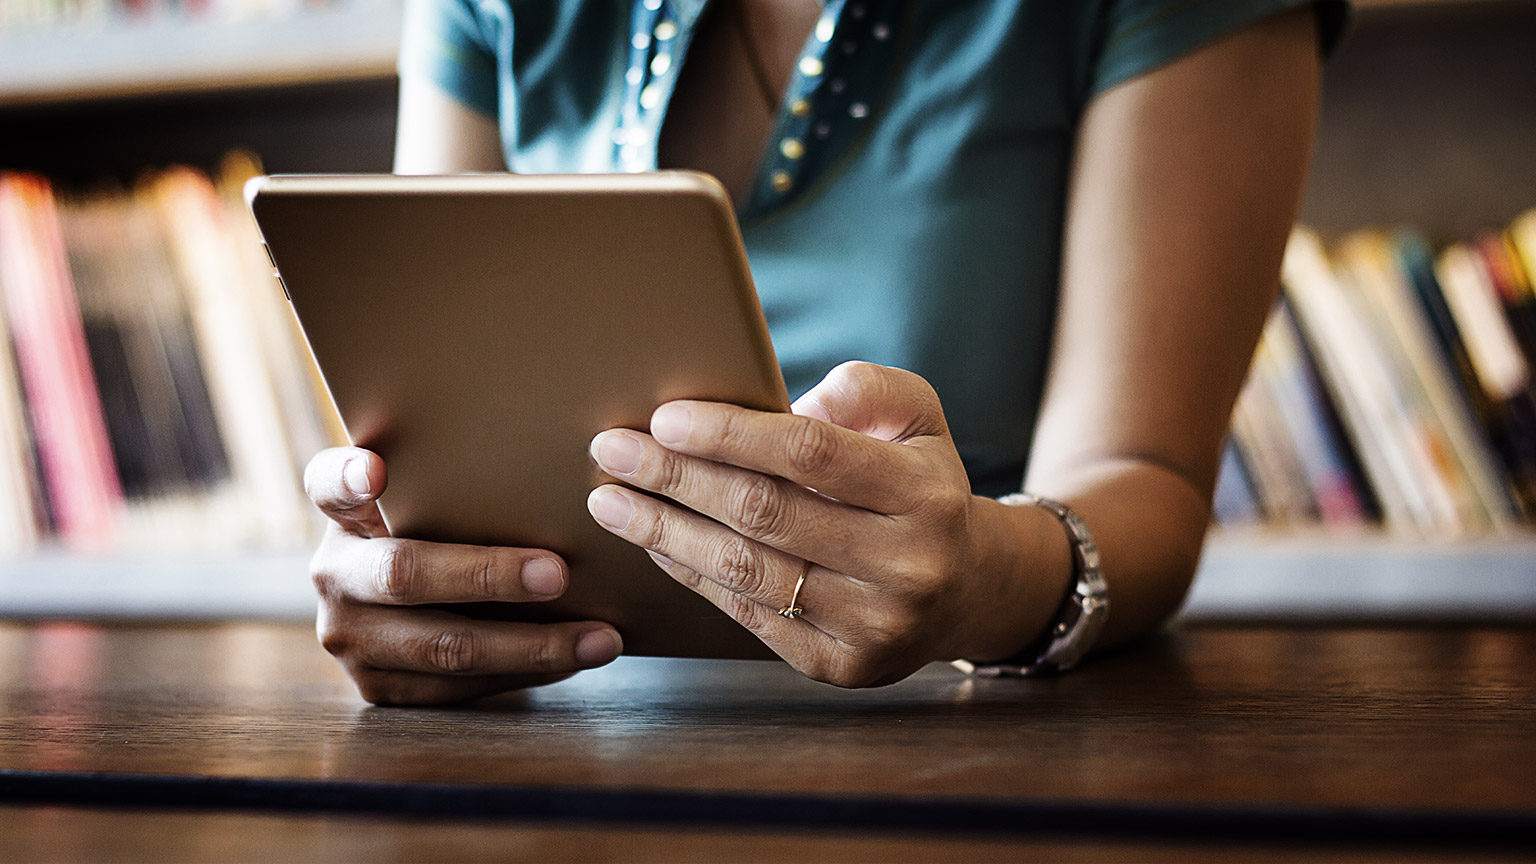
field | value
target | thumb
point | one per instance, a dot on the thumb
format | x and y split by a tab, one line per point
345	483
879	401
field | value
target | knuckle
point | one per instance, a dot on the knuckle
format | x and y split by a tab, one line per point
453	652
335	639
395	572
761	508
671	473
953	506
728	434
686	575
908	573
483	579
547	655
653	527
812	447
917	589
748	614
739	566
890	627
938	501
859	376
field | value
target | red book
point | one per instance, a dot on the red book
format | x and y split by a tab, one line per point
56	375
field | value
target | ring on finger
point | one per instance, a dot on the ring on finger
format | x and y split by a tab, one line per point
794	610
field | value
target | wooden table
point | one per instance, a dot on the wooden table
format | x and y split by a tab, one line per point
245	741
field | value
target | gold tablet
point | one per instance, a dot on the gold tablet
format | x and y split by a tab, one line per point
477	331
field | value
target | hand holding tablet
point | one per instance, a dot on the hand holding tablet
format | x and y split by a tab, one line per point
476	332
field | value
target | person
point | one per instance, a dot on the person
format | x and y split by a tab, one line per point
1001	245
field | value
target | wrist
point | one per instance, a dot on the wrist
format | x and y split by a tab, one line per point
1026	555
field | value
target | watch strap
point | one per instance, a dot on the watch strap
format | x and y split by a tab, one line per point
1078	620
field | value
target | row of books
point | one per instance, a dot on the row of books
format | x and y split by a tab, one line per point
1392	386
154	388
31	15
155	391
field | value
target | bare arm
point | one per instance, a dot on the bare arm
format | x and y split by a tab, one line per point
436	134
1186	184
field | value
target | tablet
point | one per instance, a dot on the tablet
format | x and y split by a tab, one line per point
477	331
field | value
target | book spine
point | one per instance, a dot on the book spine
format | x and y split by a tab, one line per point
1455	448
85	496
226	326
1304	416
1358	384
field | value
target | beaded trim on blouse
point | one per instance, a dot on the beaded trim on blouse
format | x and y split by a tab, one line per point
829	99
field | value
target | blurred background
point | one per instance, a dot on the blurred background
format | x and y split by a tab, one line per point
157	405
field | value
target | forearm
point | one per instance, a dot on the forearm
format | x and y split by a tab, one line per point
1149	522
1185	185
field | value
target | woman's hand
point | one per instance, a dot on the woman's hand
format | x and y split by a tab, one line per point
369	583
860	491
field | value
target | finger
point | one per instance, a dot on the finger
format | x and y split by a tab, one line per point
736	563
414	572
777	512
798	641
879	401
384	687
845	464
442	643
344	482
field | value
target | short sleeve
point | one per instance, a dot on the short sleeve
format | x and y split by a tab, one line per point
1141	35
442	42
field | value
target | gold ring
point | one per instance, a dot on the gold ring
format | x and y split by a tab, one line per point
793	610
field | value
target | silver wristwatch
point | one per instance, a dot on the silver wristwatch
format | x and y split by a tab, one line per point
1079	620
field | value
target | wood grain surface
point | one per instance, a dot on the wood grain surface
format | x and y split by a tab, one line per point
1384	717
1310	728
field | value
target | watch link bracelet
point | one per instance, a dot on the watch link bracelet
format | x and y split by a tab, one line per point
1078	621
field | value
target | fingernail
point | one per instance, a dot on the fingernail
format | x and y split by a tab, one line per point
618	453
660	558
542	577
355	475
670	424
612	508
598	647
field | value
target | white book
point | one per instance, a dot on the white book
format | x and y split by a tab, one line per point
1491	344
229	345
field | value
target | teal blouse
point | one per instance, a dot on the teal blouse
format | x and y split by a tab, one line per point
909	208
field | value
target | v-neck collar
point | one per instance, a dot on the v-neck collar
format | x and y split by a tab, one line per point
828	100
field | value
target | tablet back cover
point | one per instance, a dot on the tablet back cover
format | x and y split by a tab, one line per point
478	331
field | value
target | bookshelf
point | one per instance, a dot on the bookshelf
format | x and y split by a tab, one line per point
1426	122
354	41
